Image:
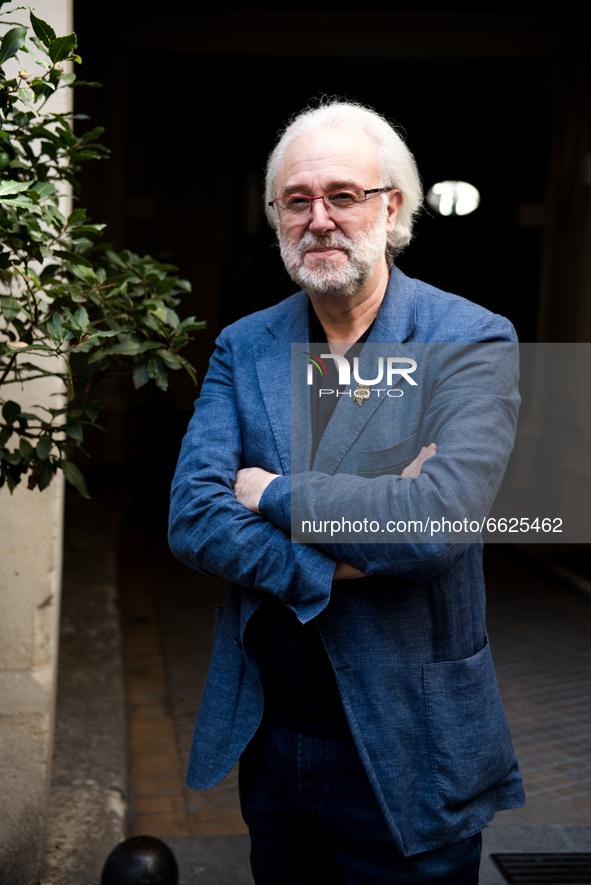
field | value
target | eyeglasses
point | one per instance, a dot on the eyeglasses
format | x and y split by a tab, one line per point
340	205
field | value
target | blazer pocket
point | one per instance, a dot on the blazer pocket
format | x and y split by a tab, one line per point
469	738
377	462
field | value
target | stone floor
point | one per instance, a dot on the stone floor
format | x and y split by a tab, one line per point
541	640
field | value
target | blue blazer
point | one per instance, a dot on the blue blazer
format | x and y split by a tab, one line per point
408	643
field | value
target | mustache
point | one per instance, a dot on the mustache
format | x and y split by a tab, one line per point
329	240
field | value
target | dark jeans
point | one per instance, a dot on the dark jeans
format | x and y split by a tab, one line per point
314	820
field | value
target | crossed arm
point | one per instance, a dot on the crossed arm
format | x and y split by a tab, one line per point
216	523
251	482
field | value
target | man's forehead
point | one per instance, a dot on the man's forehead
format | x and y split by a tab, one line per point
336	156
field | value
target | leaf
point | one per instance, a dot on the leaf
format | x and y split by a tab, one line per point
62	47
172	318
167	316
43	31
12	42
26	449
65	136
44	189
70	386
12	457
46	472
171	360
140	375
40	61
13	187
9	307
10	411
188	325
43	447
157	371
74	431
27	96
72	257
31	348
73	475
90	229
24	202
81	317
86	274
91	341
55	214
103	334
126	348
189	369
93	134
55	328
76	216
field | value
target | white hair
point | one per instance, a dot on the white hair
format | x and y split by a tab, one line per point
397	164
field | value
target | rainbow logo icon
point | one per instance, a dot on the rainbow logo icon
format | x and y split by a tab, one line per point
316	361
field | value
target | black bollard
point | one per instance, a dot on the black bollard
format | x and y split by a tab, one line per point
141	860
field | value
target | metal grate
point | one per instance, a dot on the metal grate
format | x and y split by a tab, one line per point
544	869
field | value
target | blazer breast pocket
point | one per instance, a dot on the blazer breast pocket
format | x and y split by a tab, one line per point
378	462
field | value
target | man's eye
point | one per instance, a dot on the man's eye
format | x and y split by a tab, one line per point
297	203
343	198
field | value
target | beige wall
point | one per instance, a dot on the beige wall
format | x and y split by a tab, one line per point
30	587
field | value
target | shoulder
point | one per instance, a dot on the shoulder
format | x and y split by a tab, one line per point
442	316
416	311
283	319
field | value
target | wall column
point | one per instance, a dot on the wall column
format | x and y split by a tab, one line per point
31	526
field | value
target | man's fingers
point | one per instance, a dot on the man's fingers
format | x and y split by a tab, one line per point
413	470
344	571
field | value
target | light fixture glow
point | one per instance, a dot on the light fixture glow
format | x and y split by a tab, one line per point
453	197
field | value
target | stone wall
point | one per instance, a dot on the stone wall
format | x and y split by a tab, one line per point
30	588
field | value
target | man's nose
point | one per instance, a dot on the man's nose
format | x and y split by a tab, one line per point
320	221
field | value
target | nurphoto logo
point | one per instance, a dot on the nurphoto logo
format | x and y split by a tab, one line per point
395	366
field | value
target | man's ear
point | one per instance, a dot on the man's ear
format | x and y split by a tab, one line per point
395	201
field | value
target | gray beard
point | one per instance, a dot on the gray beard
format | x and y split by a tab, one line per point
363	252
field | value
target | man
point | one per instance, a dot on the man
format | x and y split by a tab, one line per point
353	681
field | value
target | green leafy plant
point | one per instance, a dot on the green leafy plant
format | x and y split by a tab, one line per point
71	307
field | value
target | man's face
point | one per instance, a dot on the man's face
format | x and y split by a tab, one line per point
322	256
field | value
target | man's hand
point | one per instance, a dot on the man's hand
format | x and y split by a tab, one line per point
250	484
344	571
414	469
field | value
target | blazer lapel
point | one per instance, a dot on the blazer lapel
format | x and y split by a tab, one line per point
275	368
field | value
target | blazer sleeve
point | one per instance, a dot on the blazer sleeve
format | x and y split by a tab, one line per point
472	416
212	532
